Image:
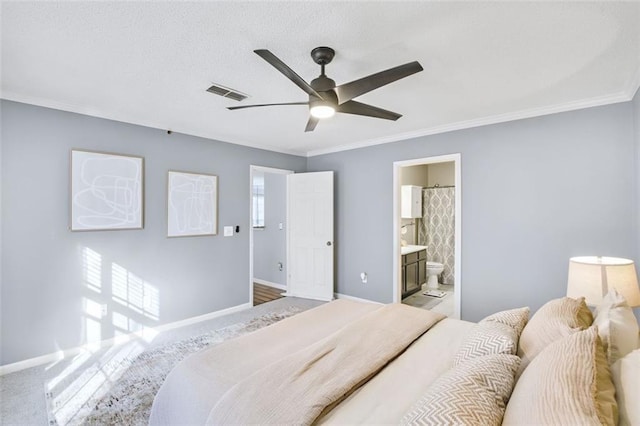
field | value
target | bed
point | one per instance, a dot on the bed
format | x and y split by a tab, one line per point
207	387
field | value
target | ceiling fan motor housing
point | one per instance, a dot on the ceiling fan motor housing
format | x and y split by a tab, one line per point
323	84
328	98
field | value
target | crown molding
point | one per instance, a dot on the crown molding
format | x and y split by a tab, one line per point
484	121
623	96
92	112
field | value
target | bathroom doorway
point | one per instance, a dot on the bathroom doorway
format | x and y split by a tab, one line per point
427	233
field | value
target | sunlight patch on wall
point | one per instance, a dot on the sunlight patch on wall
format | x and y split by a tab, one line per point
92	323
93	333
124	326
133	292
92	269
92	308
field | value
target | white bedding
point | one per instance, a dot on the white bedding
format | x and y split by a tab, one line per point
195	385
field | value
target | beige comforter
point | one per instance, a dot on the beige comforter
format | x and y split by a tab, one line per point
304	384
198	383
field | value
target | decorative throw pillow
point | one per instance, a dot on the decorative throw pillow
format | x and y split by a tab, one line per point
556	319
487	338
514	318
617	326
626	378
568	383
474	392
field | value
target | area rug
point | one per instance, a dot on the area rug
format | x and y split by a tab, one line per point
120	389
421	301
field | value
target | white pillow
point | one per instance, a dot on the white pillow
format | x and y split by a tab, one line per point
567	383
617	326
626	378
556	319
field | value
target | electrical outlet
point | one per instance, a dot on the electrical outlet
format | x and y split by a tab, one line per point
364	277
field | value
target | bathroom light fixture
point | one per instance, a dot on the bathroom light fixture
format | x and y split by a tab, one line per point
321	109
403	228
592	277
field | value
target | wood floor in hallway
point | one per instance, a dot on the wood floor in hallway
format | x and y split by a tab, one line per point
263	294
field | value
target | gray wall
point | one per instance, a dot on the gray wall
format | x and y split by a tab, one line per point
636	116
42	277
270	244
1	225
519	226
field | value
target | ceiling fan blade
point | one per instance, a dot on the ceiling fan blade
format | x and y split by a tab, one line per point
264	105
358	108
288	72
355	88
311	124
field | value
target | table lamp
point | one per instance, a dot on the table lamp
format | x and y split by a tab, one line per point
592	277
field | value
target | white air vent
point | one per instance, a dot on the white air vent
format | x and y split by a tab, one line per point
225	92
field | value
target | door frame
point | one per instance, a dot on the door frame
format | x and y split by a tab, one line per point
397	279
252	170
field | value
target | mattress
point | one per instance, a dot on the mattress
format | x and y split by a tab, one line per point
195	385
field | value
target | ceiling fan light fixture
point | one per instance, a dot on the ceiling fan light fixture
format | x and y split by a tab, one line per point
322	111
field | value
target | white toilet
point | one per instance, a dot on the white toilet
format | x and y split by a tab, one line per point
433	270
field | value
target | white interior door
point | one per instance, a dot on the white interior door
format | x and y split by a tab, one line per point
310	248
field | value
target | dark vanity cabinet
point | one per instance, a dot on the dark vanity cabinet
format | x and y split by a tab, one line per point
414	272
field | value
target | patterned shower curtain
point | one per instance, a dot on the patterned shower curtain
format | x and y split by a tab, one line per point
437	228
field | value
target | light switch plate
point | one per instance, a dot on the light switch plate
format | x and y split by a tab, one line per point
228	231
280	225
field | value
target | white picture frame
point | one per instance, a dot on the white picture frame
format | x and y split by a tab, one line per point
106	191
192	204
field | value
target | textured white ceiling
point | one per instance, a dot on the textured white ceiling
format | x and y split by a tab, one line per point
150	63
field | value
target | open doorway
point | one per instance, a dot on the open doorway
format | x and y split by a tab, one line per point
427	233
268	237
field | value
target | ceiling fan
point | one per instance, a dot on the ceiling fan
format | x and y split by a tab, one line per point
325	98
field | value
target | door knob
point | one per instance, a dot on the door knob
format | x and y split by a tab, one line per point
328	243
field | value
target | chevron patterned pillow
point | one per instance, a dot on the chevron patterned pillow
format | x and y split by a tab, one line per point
472	393
487	338
514	318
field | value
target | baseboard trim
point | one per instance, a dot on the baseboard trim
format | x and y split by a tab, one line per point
62	354
270	284
356	299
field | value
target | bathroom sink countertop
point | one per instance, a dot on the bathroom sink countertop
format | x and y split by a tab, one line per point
411	249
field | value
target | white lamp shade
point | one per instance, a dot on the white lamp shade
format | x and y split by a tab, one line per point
592	277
